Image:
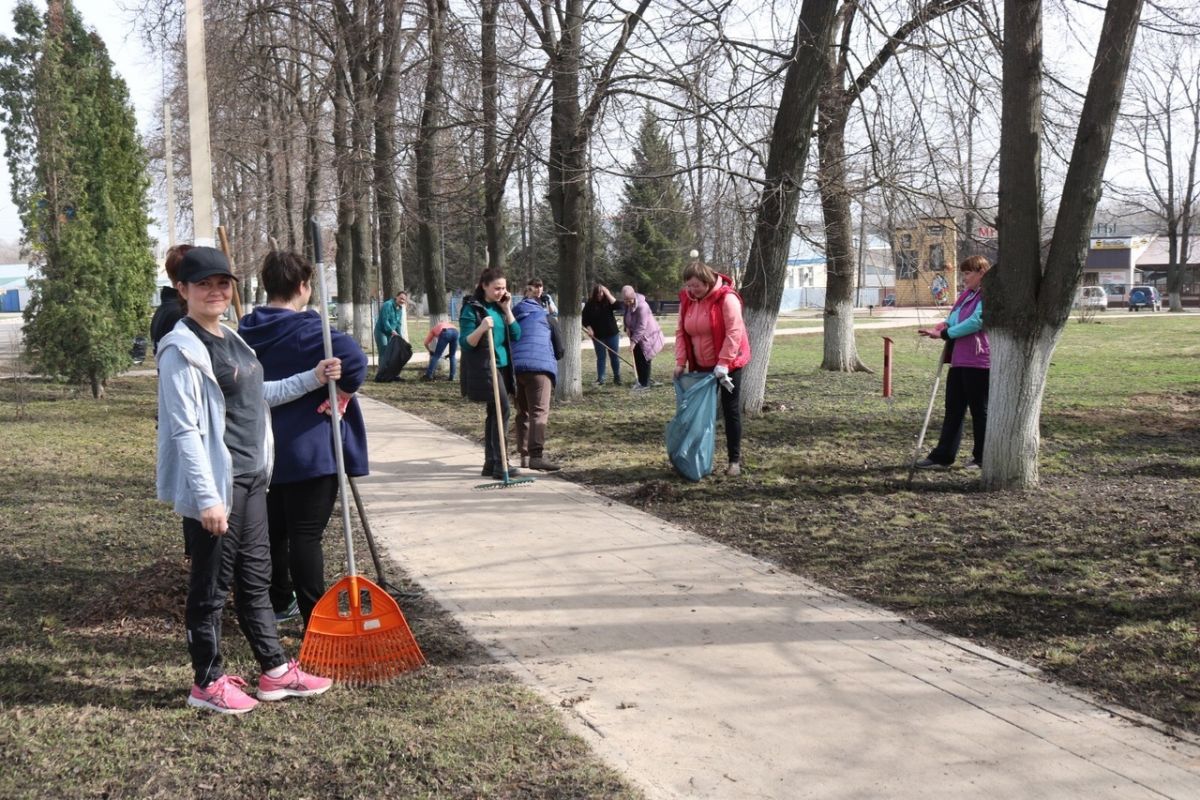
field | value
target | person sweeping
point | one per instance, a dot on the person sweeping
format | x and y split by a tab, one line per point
970	369
215	458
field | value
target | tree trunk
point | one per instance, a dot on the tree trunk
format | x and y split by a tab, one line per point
1027	303
345	206
387	194
566	176
840	346
429	244
766	267
493	186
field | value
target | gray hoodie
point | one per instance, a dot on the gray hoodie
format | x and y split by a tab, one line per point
194	466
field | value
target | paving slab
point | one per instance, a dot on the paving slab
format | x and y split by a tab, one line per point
702	672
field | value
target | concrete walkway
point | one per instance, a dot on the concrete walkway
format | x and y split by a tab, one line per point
702	672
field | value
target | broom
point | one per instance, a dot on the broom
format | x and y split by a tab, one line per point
507	481
356	633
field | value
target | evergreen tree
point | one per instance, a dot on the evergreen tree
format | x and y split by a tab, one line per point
79	180
655	229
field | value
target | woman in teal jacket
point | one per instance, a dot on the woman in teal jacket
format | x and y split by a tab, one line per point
490	308
390	321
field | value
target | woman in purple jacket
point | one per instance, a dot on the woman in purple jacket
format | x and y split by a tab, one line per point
645	337
304	485
970	366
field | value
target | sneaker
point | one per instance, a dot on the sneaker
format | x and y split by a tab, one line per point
293	683
225	695
925	463
638	388
599	383
733	470
426	377
543	465
291	612
972	464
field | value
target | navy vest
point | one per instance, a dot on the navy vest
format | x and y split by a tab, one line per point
533	352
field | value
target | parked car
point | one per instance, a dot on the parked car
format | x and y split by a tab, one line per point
1144	297
1092	297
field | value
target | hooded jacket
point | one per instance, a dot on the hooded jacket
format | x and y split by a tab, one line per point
535	350
195	469
287	342
169	311
719	315
642	328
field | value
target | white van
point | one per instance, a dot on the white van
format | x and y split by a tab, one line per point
1092	297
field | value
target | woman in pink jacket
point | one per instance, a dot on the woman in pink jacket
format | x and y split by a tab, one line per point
645	337
712	338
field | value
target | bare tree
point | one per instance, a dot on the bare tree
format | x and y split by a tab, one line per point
1027	299
429	246
1162	128
560	28
766	265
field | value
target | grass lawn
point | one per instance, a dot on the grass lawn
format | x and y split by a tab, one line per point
94	670
1093	577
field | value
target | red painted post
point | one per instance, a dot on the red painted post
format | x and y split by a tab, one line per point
887	367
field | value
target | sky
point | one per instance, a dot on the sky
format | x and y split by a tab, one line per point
141	70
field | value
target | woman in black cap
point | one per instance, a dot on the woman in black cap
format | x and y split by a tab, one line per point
215	455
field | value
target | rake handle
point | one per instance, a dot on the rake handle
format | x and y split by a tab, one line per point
491	345
609	349
937	380
336	416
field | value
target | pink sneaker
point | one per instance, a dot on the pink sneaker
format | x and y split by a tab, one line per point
225	695
293	683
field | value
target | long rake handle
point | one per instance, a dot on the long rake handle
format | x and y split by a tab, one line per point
496	399
937	380
336	415
609	349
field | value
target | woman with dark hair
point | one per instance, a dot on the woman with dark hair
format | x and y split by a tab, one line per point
598	321
304	485
711	337
170	307
489	308
970	360
215	458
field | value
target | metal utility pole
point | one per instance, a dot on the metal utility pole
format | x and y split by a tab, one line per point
197	85
169	157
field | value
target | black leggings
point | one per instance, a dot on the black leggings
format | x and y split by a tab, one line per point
491	433
642	365
731	409
966	388
298	514
241	558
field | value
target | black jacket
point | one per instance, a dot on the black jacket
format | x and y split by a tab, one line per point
169	311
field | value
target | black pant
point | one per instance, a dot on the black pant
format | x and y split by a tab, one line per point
731	410
492	454
297	514
642	365
966	387
241	558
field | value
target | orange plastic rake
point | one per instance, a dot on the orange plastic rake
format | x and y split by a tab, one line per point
356	634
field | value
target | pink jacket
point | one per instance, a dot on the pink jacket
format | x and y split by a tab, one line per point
711	331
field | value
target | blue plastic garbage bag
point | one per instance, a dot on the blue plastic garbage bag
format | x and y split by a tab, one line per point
691	432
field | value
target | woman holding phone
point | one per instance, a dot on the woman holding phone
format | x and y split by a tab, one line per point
490	308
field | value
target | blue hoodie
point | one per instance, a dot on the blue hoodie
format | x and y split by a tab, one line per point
287	341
